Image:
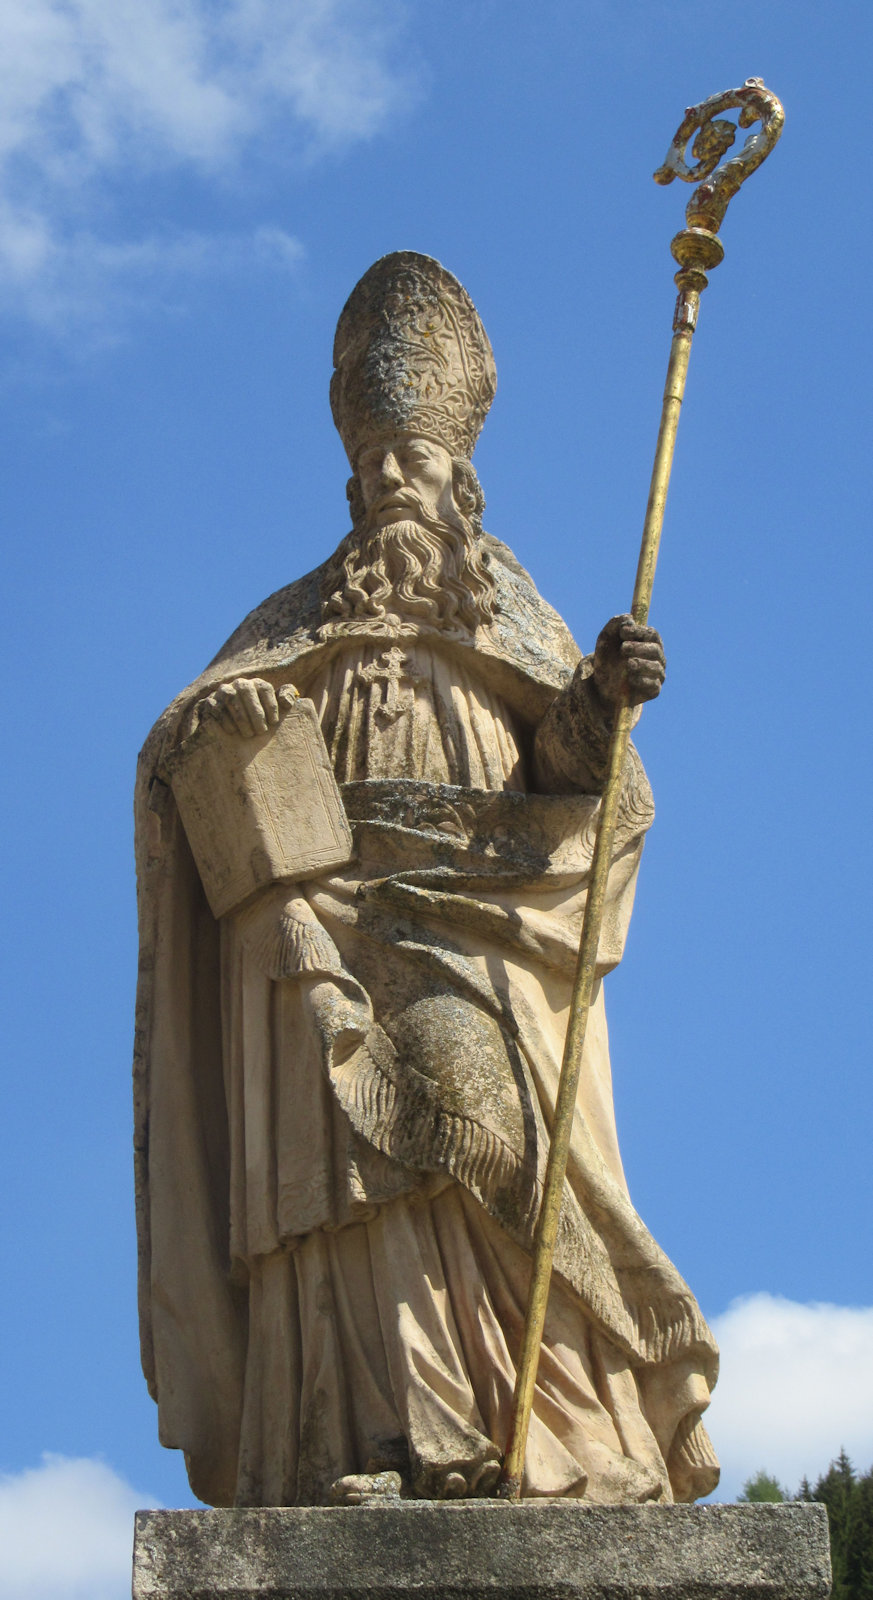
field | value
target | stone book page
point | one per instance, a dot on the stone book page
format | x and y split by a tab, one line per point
259	809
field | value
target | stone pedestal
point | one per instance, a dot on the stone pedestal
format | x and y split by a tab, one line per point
482	1549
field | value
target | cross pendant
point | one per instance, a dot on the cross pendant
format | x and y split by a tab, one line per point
389	670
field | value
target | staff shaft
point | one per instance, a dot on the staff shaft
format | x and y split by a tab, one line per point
583	988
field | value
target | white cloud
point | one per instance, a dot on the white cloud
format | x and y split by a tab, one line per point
66	1532
796	1384
84	83
92	284
97	94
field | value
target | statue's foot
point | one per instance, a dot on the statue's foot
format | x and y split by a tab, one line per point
485	1480
459	1480
366	1489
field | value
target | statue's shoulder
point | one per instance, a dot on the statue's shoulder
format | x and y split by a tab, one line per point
268	635
497	551
272	636
525	628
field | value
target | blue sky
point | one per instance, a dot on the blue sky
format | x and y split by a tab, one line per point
188	191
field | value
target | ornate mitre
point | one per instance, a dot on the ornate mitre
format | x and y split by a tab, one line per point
411	356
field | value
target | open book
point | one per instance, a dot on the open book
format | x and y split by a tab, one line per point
259	809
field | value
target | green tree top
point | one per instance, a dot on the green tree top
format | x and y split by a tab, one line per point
849	1501
762	1487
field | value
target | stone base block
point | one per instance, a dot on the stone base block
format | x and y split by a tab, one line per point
482	1549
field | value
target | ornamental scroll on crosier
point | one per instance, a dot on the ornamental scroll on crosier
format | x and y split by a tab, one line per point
232	798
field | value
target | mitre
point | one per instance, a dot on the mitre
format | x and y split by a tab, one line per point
411	356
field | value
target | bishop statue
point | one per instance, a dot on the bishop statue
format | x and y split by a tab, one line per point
347	1054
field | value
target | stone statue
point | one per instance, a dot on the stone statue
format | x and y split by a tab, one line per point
345	1078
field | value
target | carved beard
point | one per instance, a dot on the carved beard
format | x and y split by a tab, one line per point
424	568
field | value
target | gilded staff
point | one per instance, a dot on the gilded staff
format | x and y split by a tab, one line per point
697	249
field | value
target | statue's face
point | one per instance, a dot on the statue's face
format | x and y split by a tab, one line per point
405	477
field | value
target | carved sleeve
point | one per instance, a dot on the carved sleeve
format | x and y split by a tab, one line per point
571	744
282	933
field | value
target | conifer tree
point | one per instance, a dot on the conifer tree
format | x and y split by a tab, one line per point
849	1502
859	1539
835	1489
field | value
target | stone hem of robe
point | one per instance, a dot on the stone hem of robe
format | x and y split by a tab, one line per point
386	1323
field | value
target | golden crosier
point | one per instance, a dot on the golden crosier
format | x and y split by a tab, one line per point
697	249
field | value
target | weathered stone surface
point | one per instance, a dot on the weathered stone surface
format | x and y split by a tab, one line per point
348	1047
474	1550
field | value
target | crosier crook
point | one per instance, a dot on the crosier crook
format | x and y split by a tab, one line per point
697	249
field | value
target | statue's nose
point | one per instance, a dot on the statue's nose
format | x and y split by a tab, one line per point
390	476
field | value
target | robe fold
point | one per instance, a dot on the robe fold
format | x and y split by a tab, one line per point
345	1091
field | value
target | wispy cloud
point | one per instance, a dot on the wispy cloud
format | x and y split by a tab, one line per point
64	280
97	95
796	1384
66	1532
